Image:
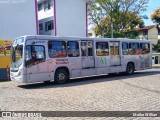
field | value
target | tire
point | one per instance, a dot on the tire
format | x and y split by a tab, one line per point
130	69
61	76
47	82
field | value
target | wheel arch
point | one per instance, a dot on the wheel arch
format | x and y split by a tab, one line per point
64	68
131	62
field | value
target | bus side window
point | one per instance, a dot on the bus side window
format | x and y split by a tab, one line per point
132	48
125	48
145	48
57	49
73	48
38	52
102	49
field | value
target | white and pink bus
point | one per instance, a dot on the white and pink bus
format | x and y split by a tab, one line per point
47	58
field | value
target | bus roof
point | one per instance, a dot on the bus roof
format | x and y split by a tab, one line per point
49	37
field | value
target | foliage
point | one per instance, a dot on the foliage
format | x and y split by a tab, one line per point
156	47
155	17
122	14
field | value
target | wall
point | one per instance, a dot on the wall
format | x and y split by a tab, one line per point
17	18
70	18
153	35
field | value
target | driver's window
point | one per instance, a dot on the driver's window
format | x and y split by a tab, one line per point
28	53
38	52
35	53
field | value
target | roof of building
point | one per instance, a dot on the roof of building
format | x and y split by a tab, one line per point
146	27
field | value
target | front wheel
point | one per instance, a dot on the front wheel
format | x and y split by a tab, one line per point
130	69
61	76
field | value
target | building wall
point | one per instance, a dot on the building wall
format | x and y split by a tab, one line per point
17	19
69	17
153	35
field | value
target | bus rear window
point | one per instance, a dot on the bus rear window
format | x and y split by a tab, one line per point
57	49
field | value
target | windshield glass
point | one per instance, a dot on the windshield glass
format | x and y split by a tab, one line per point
16	54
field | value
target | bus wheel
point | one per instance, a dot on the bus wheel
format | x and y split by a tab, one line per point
61	76
47	82
130	69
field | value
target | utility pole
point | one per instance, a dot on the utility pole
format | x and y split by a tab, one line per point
111	30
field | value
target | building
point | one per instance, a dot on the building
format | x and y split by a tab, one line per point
45	17
58	17
151	33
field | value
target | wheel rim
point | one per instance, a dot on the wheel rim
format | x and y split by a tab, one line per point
61	76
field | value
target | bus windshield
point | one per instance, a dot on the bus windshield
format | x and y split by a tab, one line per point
16	54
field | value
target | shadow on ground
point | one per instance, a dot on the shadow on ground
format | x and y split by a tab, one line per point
89	80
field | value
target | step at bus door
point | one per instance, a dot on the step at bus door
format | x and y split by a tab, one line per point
114	53
88	60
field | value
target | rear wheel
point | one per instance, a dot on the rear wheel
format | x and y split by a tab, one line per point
61	76
130	69
47	82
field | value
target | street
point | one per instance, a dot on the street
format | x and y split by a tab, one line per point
138	92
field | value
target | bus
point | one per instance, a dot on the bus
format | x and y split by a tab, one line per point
46	58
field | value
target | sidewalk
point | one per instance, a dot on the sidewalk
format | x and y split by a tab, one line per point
156	66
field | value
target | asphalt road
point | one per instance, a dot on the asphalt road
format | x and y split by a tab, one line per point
138	92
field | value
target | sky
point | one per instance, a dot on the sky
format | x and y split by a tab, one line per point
152	5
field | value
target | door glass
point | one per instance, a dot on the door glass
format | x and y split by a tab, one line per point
83	48
90	49
116	48
111	48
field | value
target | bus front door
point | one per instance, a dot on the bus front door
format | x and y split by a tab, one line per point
115	54
88	60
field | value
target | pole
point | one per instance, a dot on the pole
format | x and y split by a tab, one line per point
111	30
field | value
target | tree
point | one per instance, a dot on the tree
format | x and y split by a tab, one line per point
131	18
155	17
122	14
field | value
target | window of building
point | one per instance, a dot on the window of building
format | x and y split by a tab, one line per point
48	4
39	6
102	49
145	48
57	49
40	26
145	32
73	49
49	25
125	48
